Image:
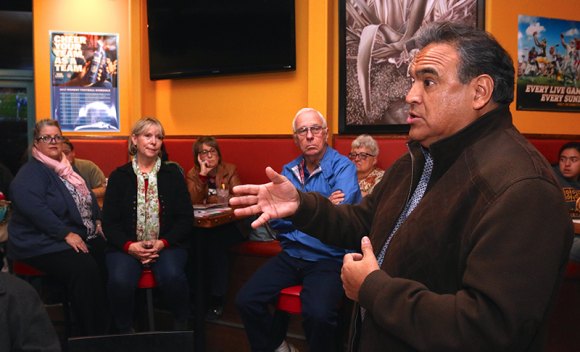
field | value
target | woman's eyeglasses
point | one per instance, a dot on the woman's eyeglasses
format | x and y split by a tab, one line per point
361	156
50	139
205	153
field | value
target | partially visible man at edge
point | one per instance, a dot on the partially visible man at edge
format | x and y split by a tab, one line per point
93	175
477	265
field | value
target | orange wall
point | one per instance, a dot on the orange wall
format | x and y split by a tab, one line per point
259	103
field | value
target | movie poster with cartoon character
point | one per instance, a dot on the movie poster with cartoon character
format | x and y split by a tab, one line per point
84	70
548	64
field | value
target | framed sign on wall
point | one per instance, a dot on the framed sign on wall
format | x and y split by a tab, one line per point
376	46
548	64
84	90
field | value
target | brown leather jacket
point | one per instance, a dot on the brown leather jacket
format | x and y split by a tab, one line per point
225	174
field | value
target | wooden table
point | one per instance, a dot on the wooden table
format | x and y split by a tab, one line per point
207	222
210	221
576	226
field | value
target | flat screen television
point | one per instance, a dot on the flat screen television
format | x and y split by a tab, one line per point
190	38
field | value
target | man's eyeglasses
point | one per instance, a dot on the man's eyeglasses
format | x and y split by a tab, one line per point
50	139
315	130
205	153
361	156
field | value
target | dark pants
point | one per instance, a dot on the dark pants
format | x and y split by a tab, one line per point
215	248
321	297
85	289
124	273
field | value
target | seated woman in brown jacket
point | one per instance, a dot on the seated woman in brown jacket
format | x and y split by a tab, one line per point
204	181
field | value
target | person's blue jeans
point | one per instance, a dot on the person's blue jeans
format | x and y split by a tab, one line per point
124	272
321	297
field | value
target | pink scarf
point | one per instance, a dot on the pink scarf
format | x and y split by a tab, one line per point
63	169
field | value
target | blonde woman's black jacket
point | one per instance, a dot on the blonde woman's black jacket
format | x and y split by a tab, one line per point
120	207
478	263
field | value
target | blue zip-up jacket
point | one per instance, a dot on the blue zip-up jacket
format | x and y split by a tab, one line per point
337	173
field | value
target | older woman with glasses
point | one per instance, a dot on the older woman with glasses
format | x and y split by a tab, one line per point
210	173
209	178
363	153
55	227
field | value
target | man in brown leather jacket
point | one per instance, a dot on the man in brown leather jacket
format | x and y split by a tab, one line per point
465	241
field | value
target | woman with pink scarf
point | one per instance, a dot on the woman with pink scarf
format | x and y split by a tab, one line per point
55	227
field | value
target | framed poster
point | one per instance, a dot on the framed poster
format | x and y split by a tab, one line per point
84	92
376	47
548	64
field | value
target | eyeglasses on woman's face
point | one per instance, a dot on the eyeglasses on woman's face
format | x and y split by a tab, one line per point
50	139
207	152
361	156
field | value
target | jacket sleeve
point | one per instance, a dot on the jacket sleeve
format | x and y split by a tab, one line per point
30	192
113	217
345	179
180	225
196	187
233	178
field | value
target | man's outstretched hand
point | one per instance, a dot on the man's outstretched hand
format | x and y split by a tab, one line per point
273	200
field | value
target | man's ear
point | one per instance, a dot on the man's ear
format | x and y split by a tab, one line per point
296	140
483	85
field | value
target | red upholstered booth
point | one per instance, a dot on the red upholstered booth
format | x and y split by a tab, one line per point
107	153
549	147
393	147
250	154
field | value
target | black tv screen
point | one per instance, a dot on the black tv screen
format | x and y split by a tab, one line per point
190	38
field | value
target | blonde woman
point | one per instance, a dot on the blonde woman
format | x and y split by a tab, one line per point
148	219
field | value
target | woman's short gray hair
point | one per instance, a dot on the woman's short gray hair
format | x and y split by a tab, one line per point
366	141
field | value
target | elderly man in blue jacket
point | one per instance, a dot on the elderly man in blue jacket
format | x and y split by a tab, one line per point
304	259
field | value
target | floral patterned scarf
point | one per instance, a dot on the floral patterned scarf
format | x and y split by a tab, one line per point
147	202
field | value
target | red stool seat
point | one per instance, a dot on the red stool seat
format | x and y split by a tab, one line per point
23	269
572	270
147	279
289	300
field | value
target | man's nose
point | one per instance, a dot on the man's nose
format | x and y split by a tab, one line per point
412	95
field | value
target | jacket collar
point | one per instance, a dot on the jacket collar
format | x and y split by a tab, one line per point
446	151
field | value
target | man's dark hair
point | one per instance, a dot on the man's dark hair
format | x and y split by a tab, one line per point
69	143
479	53
569	145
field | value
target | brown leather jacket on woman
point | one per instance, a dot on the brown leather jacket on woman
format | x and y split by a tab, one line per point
225	173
